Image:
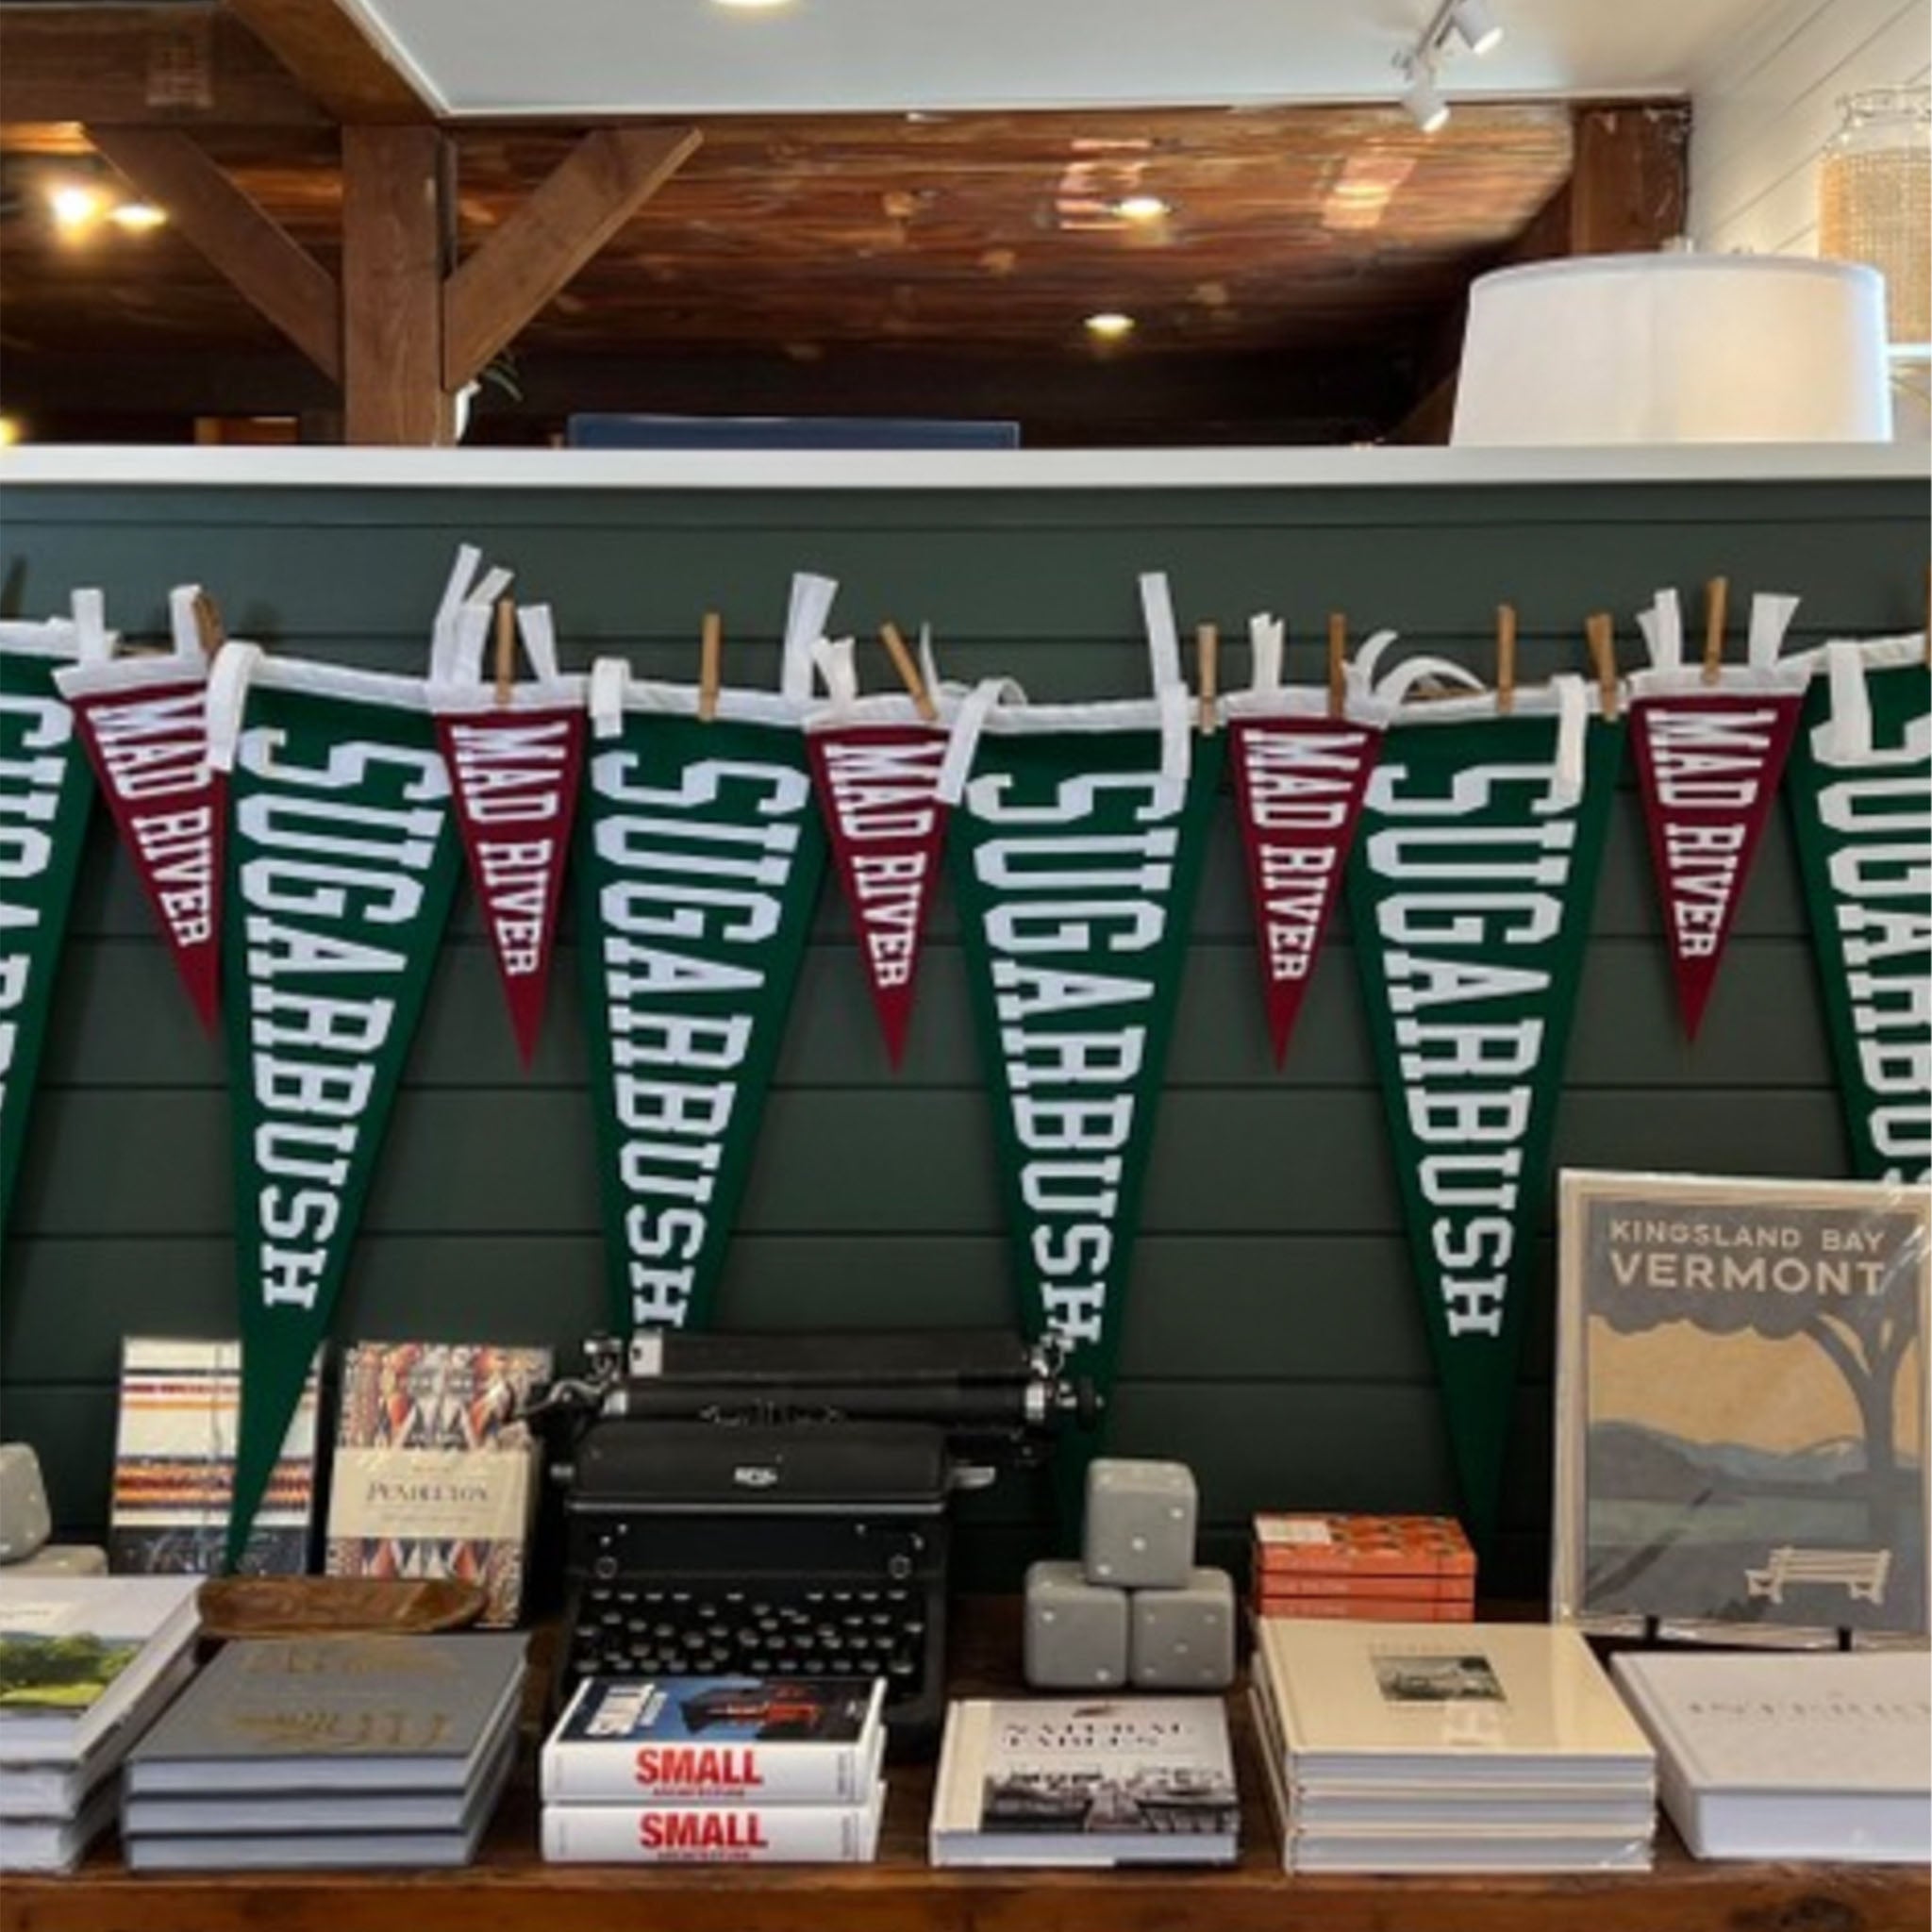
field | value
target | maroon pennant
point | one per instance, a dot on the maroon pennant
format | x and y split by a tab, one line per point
1299	785
878	787
1711	741
143	722
516	760
1709	765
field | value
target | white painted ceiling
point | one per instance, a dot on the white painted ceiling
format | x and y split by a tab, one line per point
587	58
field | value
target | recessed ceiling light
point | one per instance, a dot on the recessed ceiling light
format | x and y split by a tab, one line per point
752	6
1109	325
75	205
137	217
1142	207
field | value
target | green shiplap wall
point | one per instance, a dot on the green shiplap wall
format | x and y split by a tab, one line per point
1273	1339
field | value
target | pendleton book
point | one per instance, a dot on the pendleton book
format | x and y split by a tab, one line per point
714	1834
729	1740
81	1655
1073	1782
175	1465
414	1714
434	1472
1740	1408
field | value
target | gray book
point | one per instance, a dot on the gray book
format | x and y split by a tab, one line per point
334	1714
240	1814
311	1850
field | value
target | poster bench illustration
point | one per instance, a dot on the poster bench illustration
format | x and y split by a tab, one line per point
1861	1572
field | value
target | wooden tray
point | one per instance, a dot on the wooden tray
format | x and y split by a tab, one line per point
335	1605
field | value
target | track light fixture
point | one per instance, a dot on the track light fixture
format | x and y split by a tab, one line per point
1474	25
1468	23
1426	107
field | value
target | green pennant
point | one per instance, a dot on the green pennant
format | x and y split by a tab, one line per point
1469	898
46	790
342	860
1076	865
700	852
1862	808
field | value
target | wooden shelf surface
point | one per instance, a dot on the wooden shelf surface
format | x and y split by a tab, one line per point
510	1889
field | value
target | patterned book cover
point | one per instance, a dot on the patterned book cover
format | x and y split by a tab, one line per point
175	1465
1397	1545
433	1474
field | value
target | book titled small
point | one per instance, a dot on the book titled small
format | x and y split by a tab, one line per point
713	1834
434	1470
717	1740
175	1465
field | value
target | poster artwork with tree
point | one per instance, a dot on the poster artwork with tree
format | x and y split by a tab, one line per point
1742	1403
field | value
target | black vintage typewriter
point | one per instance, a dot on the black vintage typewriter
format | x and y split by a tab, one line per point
778	1505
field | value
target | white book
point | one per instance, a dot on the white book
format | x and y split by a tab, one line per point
1460	1853
686	1741
713	1834
83	1653
1431	1703
54	1845
54	1792
1811	1757
1086	1781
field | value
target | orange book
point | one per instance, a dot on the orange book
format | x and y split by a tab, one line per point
1423	1588
1388	1545
1369	1610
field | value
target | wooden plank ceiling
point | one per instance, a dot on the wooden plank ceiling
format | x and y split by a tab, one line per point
1291	228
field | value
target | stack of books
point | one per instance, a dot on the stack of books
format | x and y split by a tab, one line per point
1086	1781
1406	1748
328	1752
1380	1569
1813	1757
86	1664
716	1770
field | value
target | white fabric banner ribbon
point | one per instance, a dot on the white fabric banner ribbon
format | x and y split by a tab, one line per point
1662	627
609	681
1771	618
184	627
837	661
1267	648
1573	727
538	629
1845	736
962	744
805	625
227	700
93	640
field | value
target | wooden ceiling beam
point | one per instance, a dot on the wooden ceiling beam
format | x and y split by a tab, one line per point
584	200
266	266
332	54
394	187
184	65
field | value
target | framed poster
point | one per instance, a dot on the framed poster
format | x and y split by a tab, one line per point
1740	1407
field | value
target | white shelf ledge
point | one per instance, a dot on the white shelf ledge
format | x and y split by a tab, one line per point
188	466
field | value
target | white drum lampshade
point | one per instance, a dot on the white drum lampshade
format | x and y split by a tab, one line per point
1675	348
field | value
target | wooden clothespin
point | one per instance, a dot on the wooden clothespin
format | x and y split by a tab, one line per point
1716	595
711	665
505	650
908	668
1506	660
1208	659
208	623
1600	631
1337	663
